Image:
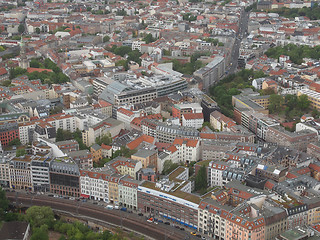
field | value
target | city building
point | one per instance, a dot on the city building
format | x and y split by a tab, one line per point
64	177
20	173
8	132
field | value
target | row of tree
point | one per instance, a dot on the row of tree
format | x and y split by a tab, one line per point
63	135
295	52
223	91
313	13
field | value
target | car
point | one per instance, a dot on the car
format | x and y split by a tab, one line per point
129	211
84	200
109	207
150	220
72	198
56	196
182	229
140	214
116	207
155	222
160	221
167	223
193	233
198	235
177	226
50	195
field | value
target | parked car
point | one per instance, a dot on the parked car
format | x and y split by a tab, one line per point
116	207
160	221
182	229
193	233
123	209
167	223
140	214
150	220
109	207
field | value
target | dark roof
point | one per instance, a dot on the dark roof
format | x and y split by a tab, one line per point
13	230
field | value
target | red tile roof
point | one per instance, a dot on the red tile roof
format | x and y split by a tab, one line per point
135	143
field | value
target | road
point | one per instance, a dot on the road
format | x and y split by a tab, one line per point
129	221
243	26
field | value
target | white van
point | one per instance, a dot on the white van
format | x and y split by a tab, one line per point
109	207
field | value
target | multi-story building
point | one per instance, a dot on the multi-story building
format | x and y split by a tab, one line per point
178	206
109	126
94	184
314	149
113	186
194	120
275	173
148	158
5	171
208	106
96	151
20	173
179	109
125	116
188	150
297	216
313	97
125	166
221	122
8	132
64	177
82	157
128	192
215	170
215	150
40	173
296	140
211	73
68	145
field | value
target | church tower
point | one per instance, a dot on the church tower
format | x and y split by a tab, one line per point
24	63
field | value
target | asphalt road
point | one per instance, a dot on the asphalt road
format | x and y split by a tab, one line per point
116	217
242	33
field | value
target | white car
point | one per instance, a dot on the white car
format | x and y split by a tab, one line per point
116	207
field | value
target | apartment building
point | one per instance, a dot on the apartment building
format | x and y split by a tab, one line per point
180	109
221	122
125	116
128	192
215	150
125	166
82	157
188	150
5	171
68	145
215	170
194	120
94	184
211	73
313	97
8	132
113	186
296	140
20	173
147	157
108	126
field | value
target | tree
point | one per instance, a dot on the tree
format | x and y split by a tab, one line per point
303	102
168	167
4	203
38	216
106	39
105	139
37	30
201	179
275	104
149	38
40	233
59	136
21	28
15	142
20	152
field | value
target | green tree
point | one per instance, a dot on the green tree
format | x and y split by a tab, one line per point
4	204
21	28
276	102
59	136
106	39
20	152
201	179
303	102
149	38
37	30
105	139
40	233
169	166
38	216
15	142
